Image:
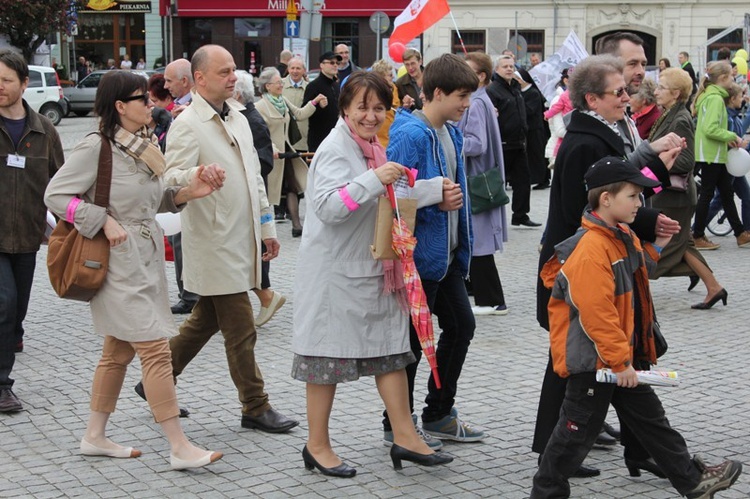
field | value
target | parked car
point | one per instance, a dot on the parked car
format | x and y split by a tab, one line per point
81	97
44	93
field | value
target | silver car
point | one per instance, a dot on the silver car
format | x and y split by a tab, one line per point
82	96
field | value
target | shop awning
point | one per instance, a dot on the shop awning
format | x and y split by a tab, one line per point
277	8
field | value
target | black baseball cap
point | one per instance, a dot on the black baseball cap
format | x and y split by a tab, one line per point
329	56
612	169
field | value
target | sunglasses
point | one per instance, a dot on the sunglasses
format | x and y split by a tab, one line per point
143	97
616	92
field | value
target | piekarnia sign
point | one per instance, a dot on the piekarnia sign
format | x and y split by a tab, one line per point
115	7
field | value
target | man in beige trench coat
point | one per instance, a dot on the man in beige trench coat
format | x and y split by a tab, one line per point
222	236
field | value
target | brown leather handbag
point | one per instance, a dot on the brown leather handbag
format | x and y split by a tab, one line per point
78	265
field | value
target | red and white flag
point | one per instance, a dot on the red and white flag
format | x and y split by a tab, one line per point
416	18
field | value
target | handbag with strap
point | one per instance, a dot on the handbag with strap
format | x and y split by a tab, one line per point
678	182
487	191
293	132
77	265
382	246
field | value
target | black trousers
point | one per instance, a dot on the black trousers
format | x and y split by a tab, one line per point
715	176
449	301
517	174
548	413
176	242
583	412
485	282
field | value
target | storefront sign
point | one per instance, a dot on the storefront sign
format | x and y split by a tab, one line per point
278	8
116	7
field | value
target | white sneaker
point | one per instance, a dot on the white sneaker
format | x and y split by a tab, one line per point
498	310
266	313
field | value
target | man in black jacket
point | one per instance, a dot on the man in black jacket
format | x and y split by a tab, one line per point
505	94
324	119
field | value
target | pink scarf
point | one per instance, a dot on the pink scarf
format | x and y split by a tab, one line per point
374	153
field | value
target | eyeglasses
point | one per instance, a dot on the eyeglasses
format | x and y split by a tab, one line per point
616	92
329	62
143	97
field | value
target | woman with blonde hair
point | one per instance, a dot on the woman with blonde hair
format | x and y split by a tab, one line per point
131	309
680	257
712	138
289	174
385	69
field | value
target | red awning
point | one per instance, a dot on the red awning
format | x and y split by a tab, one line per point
277	8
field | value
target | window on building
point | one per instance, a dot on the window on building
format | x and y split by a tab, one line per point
474	41
341	30
252	28
196	33
534	45
732	41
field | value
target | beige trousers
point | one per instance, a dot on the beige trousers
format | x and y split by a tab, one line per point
158	383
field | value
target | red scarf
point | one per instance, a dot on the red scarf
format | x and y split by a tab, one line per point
374	153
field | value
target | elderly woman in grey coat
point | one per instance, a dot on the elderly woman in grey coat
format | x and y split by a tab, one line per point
345	326
483	149
131	309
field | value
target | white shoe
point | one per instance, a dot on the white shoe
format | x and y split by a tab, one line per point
184	464
266	313
498	310
89	449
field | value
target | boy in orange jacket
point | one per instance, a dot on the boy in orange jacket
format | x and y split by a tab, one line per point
593	276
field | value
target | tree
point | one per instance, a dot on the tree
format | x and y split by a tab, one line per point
27	23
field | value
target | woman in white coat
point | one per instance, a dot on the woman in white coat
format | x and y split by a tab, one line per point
131	309
289	174
344	325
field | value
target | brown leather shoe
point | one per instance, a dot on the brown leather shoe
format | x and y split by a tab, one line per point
705	244
743	240
8	401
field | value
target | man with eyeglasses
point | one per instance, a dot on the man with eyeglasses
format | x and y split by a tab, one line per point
324	119
599	127
346	65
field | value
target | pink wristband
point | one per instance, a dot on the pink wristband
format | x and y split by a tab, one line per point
350	204
648	173
70	212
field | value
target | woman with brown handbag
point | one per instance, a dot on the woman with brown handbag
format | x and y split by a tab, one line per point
131	309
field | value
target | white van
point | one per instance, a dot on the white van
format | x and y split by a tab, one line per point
44	93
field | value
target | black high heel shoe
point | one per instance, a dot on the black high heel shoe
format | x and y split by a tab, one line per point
343	470
721	295
636	465
398	454
694	280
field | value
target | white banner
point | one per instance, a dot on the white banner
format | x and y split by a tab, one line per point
546	74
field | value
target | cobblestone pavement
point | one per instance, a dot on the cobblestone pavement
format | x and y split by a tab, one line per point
498	392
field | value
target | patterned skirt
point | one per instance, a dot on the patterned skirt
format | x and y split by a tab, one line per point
329	371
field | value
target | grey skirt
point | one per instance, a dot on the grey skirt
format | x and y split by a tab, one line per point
329	371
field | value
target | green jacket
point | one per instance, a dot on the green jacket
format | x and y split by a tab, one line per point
711	132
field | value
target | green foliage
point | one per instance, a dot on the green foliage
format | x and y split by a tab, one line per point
26	23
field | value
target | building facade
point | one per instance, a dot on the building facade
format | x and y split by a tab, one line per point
667	26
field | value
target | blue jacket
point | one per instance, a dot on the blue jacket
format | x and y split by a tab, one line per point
415	145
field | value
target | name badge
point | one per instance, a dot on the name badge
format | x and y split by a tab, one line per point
16	161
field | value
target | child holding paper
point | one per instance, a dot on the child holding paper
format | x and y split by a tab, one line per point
593	276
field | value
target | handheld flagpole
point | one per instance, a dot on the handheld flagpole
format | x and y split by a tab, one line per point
455	25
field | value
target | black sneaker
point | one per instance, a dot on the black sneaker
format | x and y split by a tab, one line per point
8	401
714	478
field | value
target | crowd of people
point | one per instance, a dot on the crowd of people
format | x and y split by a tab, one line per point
618	152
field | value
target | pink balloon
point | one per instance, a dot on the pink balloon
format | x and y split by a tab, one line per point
396	51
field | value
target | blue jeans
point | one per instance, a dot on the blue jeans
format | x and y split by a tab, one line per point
742	189
449	301
16	277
